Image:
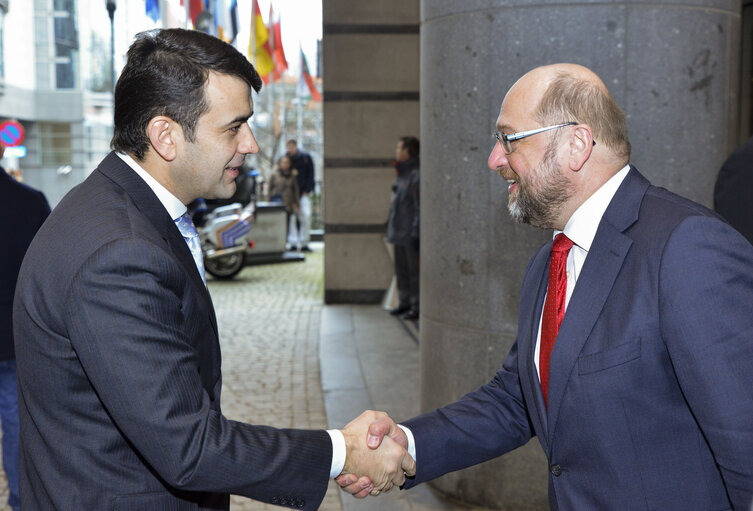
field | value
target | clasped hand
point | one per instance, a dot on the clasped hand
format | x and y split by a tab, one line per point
376	458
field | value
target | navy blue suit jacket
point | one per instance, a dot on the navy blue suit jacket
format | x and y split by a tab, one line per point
651	376
22	212
119	370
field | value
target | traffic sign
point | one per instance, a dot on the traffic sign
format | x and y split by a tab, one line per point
18	151
11	133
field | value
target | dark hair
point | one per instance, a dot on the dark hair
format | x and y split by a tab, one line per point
165	74
412	145
292	141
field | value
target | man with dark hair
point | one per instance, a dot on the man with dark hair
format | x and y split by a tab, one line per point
117	344
403	227
22	210
633	363
303	163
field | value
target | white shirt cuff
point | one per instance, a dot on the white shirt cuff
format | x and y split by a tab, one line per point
338	452
411	441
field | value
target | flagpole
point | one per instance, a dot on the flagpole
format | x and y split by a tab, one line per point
163	13
252	57
283	104
299	112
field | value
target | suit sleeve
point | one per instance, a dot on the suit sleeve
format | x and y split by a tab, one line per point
706	304
480	426
127	326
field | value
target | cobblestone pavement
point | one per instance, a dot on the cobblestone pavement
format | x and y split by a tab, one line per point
268	318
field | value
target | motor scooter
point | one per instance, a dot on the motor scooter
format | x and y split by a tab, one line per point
225	237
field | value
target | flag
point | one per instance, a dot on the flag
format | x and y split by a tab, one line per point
272	43
194	9
233	20
152	9
258	45
281	63
222	20
306	85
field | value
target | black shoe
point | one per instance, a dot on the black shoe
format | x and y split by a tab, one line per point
305	248
400	309
412	314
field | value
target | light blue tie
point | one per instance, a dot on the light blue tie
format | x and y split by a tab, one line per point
191	235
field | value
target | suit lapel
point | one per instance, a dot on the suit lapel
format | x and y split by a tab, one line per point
148	203
599	272
532	299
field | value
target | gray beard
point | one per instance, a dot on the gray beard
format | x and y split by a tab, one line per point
539	204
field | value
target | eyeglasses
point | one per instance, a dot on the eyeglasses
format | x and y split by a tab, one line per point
505	140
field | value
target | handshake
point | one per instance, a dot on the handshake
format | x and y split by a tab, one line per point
377	458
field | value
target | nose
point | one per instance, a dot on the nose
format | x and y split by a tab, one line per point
497	158
248	144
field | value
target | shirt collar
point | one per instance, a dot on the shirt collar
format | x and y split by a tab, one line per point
582	226
173	205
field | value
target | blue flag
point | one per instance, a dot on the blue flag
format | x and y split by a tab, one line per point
152	9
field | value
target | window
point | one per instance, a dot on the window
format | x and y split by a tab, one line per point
66	44
3	11
54	144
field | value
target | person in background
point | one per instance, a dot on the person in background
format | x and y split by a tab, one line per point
22	212
733	192
403	227
303	163
283	187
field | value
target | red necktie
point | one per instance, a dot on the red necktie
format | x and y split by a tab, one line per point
554	306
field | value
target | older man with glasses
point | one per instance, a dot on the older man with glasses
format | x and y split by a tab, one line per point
633	363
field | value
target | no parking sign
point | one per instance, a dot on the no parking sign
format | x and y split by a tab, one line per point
11	133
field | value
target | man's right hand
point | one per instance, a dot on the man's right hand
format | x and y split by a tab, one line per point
381	426
381	464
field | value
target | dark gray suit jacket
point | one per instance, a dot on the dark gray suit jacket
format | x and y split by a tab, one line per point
119	370
22	212
651	375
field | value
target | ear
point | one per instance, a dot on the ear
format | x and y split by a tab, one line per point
581	145
164	135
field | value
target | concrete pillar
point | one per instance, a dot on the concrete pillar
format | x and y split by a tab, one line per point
674	68
371	83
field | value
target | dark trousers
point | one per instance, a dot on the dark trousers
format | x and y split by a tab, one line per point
406	272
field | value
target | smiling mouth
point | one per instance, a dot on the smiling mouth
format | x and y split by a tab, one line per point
511	181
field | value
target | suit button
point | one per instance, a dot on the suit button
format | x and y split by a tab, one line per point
556	470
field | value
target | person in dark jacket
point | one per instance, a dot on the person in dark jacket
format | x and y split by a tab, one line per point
303	163
733	193
403	226
22	211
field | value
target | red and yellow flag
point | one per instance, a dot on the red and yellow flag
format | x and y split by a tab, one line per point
258	45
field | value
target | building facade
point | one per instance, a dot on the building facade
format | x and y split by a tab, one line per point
57	80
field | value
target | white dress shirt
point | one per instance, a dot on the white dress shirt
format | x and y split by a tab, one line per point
581	229
175	208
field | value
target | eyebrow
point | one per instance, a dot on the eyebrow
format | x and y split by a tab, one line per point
239	119
503	127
